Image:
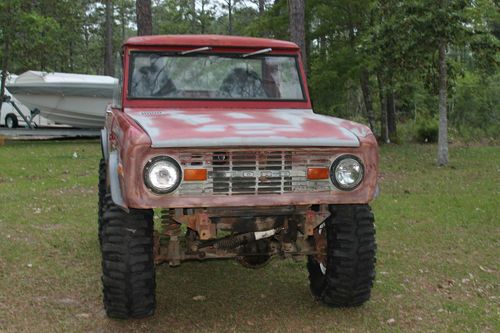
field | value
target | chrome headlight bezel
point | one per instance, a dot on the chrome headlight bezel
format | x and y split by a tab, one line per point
338	162
153	162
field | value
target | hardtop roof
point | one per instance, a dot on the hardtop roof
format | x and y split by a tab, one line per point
210	40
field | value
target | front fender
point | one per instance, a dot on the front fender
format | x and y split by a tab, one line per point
105	144
114	180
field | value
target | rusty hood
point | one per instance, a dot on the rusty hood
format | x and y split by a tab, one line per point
245	127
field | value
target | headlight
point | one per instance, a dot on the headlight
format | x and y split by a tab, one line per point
162	174
347	172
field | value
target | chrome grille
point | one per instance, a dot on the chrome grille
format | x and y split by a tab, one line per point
244	172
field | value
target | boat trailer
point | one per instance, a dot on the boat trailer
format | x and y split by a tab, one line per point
33	113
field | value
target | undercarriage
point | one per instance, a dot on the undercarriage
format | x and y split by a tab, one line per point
252	236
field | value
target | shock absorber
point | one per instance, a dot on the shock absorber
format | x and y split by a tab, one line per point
169	226
172	229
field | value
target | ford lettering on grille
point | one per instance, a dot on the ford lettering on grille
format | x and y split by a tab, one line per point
243	172
257	173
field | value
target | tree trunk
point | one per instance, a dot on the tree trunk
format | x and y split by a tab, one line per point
230	16
123	22
202	17
442	155
86	53
71	57
391	115
193	16
296	11
144	17
108	40
383	111
367	96
322	46
5	66
261	7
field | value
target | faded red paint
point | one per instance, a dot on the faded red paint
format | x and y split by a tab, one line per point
134	132
243	127
191	41
136	153
219	44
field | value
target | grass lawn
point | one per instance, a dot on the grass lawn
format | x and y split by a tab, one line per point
438	233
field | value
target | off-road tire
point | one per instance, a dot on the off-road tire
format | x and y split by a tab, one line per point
128	270
350	262
102	190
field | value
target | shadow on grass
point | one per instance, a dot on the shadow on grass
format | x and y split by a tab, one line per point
233	298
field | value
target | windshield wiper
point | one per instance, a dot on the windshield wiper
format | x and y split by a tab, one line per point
201	49
246	55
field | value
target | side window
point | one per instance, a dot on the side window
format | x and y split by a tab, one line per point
118	88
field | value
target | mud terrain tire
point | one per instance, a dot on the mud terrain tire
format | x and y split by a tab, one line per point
102	188
350	263
128	271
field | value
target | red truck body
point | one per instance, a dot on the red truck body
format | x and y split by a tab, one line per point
217	133
141	129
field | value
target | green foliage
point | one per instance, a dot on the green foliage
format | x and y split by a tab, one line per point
174	17
272	24
427	130
395	41
60	35
475	108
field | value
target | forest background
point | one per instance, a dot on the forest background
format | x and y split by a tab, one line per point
375	61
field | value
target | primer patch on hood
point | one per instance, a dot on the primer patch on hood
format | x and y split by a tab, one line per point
246	127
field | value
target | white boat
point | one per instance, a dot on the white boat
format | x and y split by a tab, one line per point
10	117
72	99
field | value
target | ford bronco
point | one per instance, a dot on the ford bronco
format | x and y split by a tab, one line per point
217	135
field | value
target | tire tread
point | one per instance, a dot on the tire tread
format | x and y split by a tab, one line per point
128	270
350	258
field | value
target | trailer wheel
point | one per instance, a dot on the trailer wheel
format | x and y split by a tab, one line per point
11	121
128	270
347	278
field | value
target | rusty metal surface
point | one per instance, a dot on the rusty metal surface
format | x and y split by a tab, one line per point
244	127
288	235
134	147
200	222
136	195
321	245
314	219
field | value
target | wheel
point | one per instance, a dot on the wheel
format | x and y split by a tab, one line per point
128	271
11	121
102	190
345	277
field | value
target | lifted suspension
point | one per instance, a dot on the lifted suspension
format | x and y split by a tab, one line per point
232	242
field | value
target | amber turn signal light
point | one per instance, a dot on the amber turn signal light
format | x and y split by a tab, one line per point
195	174
120	170
318	173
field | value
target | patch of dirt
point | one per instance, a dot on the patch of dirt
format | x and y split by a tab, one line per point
6	179
73	190
67	301
48	227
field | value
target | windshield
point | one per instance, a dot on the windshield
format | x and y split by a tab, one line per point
163	76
